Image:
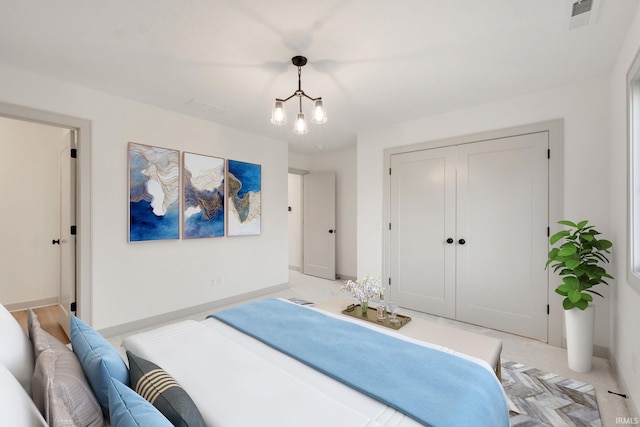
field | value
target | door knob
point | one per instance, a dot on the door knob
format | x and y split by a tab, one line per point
331	231
462	241
55	242
449	240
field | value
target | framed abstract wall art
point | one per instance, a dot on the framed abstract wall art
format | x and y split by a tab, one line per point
243	193
154	188
203	196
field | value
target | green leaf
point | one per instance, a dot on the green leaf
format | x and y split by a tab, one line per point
582	304
581	224
586	297
572	263
587	237
557	236
596	293
566	304
567	249
571	281
604	244
574	296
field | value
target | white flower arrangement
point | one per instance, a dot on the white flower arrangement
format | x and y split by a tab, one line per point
364	290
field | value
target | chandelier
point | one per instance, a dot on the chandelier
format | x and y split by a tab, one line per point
279	114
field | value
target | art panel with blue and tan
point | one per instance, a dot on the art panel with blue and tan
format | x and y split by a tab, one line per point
243	192
203	194
154	193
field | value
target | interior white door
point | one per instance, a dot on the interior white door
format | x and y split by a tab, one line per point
502	220
320	225
423	228
67	294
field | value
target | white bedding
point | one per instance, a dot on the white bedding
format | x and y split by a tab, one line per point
236	381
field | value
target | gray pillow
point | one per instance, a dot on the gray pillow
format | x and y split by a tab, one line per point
60	389
163	391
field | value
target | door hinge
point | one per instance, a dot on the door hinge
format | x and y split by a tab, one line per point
548	309
389	171
548	153
389	226
73	230
74	153
389	281
74	306
548	231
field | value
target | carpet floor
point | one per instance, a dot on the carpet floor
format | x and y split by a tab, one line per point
538	398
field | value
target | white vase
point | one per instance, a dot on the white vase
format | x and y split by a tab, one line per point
579	325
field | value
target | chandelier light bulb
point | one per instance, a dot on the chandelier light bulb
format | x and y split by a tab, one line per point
319	113
300	126
279	114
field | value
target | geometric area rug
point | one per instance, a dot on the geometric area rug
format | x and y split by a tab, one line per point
537	398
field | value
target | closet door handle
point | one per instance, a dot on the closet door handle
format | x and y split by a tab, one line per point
449	240
462	241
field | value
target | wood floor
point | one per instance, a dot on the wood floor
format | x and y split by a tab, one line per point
48	318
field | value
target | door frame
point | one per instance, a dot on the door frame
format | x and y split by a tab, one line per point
83	193
555	128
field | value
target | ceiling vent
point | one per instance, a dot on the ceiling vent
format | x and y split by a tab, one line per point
582	13
205	108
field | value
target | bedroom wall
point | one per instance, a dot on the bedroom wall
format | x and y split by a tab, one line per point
30	219
584	108
625	300
141	280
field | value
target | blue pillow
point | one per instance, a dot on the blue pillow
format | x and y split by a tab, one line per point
128	409
99	360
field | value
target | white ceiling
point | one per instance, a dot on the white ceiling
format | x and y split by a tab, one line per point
374	62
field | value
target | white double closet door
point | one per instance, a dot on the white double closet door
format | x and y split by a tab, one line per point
468	237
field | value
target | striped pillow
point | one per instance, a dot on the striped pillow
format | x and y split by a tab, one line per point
163	391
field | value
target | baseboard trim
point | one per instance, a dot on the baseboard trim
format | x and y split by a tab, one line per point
171	316
294	268
44	302
633	409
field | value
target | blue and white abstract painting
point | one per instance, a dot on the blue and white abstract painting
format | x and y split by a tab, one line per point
243	192
154	193
203	206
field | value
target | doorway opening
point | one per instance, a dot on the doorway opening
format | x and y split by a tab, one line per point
22	171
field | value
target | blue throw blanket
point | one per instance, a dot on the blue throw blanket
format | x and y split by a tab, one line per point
431	386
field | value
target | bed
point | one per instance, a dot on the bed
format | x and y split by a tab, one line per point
259	371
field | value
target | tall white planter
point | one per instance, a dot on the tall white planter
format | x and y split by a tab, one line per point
580	324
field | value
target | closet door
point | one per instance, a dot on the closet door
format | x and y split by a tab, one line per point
502	215
422	264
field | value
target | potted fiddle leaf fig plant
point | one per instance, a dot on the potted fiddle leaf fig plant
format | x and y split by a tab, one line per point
577	259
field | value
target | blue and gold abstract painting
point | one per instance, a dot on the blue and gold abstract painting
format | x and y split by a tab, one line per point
203	206
243	192
154	189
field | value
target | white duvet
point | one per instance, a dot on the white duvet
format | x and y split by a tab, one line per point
237	381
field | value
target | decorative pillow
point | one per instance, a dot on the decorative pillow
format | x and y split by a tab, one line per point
60	389
129	409
16	407
39	341
16	353
99	360
163	391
